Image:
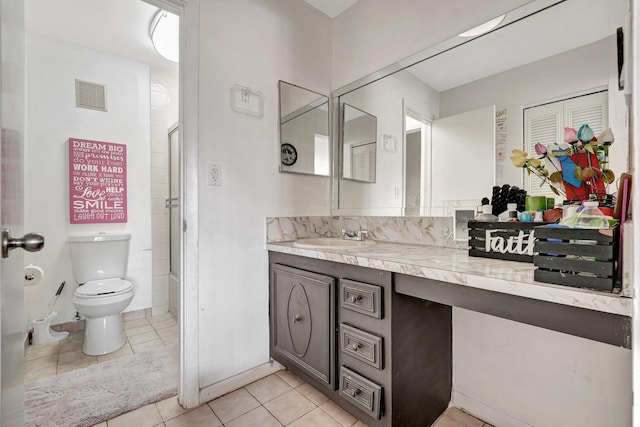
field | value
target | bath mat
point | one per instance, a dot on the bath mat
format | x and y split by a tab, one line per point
88	396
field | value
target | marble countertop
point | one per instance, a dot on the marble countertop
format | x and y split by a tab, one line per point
456	266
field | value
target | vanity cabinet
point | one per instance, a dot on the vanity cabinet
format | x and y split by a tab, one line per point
382	356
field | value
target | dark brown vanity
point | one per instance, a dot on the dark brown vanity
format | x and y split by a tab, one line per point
379	343
382	356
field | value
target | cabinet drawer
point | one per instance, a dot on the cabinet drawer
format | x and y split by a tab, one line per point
361	392
361	345
361	297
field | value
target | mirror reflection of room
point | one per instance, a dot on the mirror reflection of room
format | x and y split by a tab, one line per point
359	144
528	67
304	131
417	138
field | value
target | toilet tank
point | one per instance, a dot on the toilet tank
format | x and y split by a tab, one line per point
99	255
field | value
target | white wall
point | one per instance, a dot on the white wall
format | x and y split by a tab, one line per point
255	44
542	81
384	100
511	374
371	35
52	118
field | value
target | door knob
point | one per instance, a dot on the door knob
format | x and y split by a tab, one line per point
30	242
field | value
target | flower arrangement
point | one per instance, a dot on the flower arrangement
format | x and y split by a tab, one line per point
579	165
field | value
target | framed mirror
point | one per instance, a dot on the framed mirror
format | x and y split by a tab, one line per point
534	58
304	131
359	144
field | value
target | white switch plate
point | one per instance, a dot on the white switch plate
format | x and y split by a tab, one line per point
214	175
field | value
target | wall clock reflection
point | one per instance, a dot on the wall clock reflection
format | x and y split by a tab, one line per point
288	154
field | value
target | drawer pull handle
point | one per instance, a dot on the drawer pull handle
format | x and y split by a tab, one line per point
356	392
356	299
356	346
296	318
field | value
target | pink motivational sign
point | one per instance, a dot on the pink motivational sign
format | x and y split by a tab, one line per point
97	182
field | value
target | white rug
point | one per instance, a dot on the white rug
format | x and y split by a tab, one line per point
88	396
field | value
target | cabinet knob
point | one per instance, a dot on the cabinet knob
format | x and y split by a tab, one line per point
355	347
356	392
296	318
355	299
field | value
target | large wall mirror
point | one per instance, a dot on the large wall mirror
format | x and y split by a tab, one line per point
304	131
455	111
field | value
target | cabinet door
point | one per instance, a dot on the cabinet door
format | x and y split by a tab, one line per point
302	320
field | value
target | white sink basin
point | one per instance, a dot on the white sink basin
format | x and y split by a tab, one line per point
331	243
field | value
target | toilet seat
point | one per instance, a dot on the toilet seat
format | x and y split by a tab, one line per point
103	288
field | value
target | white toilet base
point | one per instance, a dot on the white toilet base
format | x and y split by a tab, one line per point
103	335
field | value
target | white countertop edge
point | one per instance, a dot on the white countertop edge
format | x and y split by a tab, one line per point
583	298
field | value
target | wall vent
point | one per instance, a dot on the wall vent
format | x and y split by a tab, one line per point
90	95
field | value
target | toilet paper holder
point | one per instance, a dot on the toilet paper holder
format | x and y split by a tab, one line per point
32	275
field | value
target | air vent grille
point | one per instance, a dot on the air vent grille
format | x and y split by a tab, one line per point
90	95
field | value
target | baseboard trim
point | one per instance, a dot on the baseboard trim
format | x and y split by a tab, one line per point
484	412
142	313
237	381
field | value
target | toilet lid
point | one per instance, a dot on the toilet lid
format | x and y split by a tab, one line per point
106	287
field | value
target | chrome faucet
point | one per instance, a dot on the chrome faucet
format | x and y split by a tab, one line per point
354	235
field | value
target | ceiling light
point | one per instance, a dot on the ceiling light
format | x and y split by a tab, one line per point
483	28
164	33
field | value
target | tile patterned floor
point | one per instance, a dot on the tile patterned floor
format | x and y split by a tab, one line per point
281	399
46	360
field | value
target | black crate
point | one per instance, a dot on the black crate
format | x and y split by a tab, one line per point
505	230
581	258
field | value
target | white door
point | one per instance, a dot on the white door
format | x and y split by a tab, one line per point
463	157
11	215
412	172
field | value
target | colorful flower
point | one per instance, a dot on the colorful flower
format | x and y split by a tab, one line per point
570	135
560	158
585	133
541	150
519	157
606	137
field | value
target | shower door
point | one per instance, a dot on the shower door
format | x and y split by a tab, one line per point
174	220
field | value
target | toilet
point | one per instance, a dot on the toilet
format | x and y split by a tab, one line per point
99	263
